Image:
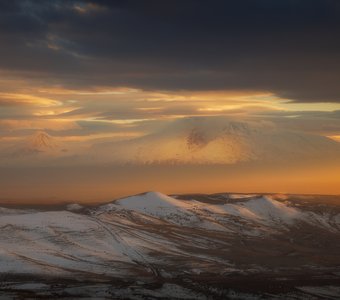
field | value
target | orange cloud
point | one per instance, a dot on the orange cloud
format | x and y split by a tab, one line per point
38	124
16	98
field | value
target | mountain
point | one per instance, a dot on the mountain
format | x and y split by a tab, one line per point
185	247
38	145
219	140
41	142
194	141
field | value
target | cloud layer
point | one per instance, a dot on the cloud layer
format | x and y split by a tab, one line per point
290	48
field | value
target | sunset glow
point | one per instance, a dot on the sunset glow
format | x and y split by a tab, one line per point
163	98
170	149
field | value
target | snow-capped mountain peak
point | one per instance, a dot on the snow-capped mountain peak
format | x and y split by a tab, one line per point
218	141
42	142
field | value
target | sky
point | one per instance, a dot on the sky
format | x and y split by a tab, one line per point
99	77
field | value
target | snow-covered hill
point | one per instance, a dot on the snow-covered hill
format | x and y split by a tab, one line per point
158	246
152	233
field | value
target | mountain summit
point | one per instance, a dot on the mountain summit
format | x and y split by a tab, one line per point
41	142
219	140
38	143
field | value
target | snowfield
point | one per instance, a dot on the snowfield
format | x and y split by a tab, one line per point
139	231
153	235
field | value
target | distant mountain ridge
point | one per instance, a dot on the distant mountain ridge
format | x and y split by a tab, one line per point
194	141
219	141
39	144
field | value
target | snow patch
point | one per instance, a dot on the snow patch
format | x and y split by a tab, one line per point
74	207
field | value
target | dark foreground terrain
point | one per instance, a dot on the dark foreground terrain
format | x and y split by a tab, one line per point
312	285
152	246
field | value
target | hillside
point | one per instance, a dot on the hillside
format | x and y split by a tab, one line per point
162	239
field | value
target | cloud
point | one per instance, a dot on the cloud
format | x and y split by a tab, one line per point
88	67
22	99
316	122
96	111
289	48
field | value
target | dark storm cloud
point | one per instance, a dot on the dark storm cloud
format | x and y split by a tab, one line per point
288	47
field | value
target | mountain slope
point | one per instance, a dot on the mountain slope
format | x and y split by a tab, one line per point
40	144
219	141
135	234
157	246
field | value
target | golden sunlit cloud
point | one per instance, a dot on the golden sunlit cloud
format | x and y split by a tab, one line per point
53	124
288	105
335	137
104	136
93	91
29	99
